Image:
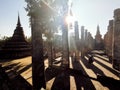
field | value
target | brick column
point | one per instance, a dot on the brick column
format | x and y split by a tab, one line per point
116	44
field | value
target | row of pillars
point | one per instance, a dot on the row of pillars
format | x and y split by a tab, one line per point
86	42
38	76
83	45
112	40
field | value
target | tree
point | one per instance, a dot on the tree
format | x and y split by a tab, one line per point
3	40
37	11
41	13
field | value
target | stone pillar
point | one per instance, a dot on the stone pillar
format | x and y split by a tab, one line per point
49	35
77	39
90	42
82	41
110	33
86	36
65	53
108	40
86	41
49	49
116	45
38	76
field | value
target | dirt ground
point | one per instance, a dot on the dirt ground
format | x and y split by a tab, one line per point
56	79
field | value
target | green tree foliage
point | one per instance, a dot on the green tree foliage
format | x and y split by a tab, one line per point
3	40
50	12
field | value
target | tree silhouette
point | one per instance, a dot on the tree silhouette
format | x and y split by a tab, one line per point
45	16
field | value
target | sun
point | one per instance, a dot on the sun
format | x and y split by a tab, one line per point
69	19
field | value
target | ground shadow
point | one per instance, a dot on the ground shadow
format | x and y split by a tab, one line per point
80	79
24	69
15	83
95	69
11	65
102	58
108	68
62	81
52	72
62	77
109	82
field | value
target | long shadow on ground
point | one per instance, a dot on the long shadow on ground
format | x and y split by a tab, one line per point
95	69
15	83
51	72
109	82
80	80
108	68
62	79
103	58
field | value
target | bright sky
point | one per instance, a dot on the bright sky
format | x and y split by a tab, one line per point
9	14
89	13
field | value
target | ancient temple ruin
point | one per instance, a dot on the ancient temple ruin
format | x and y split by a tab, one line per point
90	42
116	36
82	41
112	40
77	41
98	39
16	46
108	40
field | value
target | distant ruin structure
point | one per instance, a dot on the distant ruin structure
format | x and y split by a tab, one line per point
90	42
77	41
16	46
82	43
98	40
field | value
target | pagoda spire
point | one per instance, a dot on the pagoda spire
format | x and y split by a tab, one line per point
18	23
98	30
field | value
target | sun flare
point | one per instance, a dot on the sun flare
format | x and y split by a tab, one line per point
69	19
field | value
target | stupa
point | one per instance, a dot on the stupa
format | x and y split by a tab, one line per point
98	40
16	46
